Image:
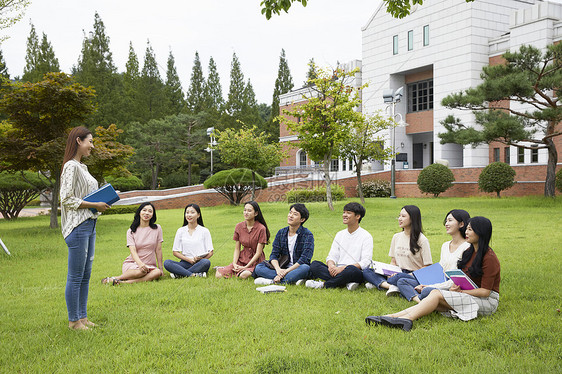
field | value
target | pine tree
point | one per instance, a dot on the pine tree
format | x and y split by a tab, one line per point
47	60
31	57
196	91
174	92
250	114
234	103
131	86
213	90
311	74
152	95
283	84
39	58
3	68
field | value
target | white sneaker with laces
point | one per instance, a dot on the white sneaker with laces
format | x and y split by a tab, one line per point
314	284
263	281
172	275
300	282
392	290
352	286
370	286
199	275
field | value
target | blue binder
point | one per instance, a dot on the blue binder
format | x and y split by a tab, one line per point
430	274
106	194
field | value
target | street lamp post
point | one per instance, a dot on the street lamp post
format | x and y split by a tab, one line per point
392	97
211	134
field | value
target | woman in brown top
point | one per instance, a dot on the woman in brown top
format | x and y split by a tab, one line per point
480	263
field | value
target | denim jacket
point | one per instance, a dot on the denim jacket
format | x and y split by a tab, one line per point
304	246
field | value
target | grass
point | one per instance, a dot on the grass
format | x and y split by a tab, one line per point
220	325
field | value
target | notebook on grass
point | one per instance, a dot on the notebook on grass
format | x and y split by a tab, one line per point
271	288
106	194
431	274
385	269
461	279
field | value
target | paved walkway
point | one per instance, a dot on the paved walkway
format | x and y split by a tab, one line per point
32	212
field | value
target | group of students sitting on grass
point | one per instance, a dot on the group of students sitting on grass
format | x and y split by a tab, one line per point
348	263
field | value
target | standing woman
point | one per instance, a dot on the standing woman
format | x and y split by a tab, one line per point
481	264
409	250
192	245
78	224
144	239
251	236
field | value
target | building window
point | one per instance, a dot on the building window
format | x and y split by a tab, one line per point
395	45
420	96
506	155
496	154
335	165
535	154
426	35
520	155
302	159
410	40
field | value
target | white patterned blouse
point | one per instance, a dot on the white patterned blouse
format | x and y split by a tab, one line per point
75	183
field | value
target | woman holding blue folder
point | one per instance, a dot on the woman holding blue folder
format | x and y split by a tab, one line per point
78	224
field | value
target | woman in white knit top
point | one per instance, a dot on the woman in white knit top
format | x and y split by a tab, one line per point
78	224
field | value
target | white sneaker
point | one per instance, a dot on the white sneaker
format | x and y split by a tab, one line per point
199	275
263	281
314	284
392	290
370	286
352	286
300	282
172	275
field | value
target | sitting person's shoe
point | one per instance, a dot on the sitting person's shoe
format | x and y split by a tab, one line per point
199	275
300	282
370	286
402	323
376	320
263	281
173	276
314	284
352	286
392	290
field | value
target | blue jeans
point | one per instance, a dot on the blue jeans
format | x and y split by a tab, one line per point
292	277
425	292
406	284
370	276
81	247
185	269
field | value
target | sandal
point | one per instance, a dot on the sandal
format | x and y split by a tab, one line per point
110	280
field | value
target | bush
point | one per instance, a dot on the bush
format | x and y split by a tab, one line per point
559	180
375	188
125	183
235	184
435	179
121	209
307	195
496	177
16	191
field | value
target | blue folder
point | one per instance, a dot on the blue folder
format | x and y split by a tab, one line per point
106	194
430	274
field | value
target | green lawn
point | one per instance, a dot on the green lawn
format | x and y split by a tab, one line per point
210	325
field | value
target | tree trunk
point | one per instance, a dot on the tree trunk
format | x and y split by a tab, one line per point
359	183
55	202
253	185
154	184
550	182
326	168
189	173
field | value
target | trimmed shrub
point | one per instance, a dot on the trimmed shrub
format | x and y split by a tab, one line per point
376	188
435	179
16	191
559	180
496	177
121	209
235	184
308	195
125	183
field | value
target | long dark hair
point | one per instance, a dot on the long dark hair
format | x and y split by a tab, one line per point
198	210
71	143
460	216
415	228
259	217
483	228
136	218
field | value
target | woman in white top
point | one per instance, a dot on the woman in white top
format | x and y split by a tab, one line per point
78	224
409	250
192	245
455	223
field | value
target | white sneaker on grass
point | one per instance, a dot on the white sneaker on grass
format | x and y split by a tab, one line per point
172	275
370	286
352	286
392	290
263	281
199	275
314	284
300	282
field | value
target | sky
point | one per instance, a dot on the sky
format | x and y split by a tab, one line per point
326	30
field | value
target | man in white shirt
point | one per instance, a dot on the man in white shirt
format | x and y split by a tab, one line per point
351	252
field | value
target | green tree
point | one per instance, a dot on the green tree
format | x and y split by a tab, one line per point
496	177
310	73
250	114
40	116
234	105
248	148
3	67
152	95
396	8
196	92
530	78
435	179
39	58
283	84
235	184
174	92
323	120
11	11
213	91
365	144
17	190
131	88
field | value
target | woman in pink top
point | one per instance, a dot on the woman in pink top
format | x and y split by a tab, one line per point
251	236
144	240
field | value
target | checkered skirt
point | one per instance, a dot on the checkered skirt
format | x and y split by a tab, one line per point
467	307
